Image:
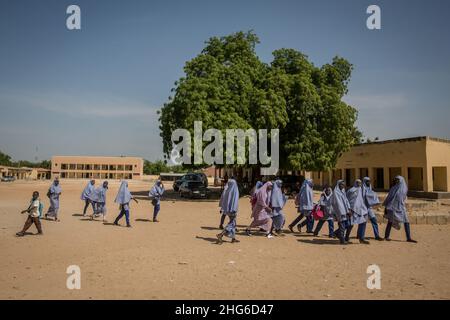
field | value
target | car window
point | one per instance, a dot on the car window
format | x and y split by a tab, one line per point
194	184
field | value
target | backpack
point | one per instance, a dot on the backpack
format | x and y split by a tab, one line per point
318	214
41	209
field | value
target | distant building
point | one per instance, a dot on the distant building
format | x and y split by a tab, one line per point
81	167
23	173
424	162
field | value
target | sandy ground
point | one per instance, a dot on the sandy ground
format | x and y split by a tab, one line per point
178	258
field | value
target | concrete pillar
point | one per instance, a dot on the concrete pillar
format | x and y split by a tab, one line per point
428	179
448	179
405	173
370	174
358	174
387	182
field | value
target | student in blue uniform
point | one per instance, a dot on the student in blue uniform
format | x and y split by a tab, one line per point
230	206
359	212
100	201
395	209
277	202
88	196
371	200
155	194
304	201
325	205
53	194
341	210
123	198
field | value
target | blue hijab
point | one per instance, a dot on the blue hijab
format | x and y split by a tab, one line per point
369	195
123	195
88	192
157	190
356	200
55	188
306	195
339	202
100	192
395	200
277	199
230	199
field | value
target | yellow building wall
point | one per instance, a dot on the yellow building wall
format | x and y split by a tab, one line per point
438	157
393	157
79	173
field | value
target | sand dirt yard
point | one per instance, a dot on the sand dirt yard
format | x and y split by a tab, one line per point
177	258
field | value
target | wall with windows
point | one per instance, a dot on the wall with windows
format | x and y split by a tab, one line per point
114	168
424	162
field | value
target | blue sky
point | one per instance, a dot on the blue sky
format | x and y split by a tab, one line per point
96	91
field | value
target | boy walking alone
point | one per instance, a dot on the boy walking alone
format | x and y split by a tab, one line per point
34	212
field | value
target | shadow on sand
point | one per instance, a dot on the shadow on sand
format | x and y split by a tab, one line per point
143	220
77	215
320	241
211	240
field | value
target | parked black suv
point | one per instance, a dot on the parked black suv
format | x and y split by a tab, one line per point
193	189
193	176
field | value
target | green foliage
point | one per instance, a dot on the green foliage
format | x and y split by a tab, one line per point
5	160
227	87
160	166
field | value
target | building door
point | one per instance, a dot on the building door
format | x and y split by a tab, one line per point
379	178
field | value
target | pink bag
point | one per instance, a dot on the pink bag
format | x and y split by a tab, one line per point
318	214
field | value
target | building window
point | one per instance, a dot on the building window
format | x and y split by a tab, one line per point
80	167
96	167
128	167
104	167
63	166
120	167
72	166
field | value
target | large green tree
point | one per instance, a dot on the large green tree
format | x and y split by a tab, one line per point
5	159
228	87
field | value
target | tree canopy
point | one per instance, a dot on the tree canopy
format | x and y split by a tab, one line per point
160	166
227	86
5	160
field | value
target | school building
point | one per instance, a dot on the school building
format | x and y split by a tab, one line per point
24	173
81	167
424	162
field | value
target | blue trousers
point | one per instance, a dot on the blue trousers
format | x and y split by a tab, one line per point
343	227
156	209
122	213
361	233
374	223
309	222
330	227
87	202
389	227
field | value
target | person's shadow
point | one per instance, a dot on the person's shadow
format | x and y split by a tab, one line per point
320	241
211	240
210	228
143	220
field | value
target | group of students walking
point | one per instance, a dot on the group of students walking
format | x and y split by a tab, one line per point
348	208
91	196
